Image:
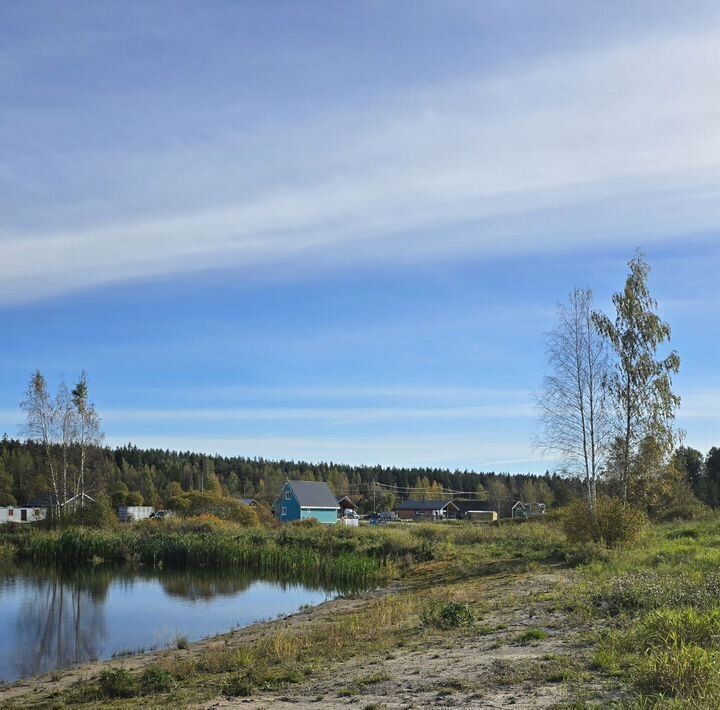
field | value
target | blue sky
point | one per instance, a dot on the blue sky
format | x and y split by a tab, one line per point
339	231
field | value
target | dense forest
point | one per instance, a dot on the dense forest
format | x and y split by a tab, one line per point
153	476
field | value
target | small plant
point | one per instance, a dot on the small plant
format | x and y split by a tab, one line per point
181	642
117	683
531	635
449	615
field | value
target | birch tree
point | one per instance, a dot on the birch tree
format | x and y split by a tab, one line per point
575	422
65	427
40	422
88	430
640	384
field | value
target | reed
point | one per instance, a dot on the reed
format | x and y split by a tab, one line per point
265	554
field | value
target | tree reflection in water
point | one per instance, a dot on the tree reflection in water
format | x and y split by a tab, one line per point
61	614
61	620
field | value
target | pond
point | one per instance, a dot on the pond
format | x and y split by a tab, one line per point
52	619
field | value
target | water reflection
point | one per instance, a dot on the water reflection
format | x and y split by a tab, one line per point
60	624
51	618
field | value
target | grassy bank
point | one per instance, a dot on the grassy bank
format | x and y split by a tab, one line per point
334	554
660	605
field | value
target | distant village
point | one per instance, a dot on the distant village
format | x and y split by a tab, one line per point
298	500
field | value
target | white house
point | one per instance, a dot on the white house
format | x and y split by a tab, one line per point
135	512
21	514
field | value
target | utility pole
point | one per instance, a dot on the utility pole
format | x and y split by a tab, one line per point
373	487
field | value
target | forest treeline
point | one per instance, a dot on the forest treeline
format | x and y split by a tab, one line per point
130	475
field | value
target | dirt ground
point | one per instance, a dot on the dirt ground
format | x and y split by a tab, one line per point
490	670
489	665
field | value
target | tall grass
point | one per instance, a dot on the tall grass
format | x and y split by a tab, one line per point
263	554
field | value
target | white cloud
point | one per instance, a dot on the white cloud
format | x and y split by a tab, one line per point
615	144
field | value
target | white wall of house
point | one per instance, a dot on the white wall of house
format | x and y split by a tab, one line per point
135	512
19	514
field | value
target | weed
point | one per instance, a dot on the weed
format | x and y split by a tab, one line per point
531	635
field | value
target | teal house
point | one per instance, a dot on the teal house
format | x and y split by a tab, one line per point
300	500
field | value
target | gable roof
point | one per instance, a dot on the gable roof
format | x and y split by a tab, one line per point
313	494
464	506
425	504
48	500
340	499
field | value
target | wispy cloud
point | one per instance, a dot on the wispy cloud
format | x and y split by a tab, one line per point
614	144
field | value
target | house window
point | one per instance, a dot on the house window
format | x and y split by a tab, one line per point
287	495
10	513
283	511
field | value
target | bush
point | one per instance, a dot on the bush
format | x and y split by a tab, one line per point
449	615
157	680
117	683
100	515
223	507
614	524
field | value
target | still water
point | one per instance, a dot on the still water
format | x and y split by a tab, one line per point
51	619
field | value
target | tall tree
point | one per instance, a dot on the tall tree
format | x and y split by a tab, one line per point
498	494
66	429
40	423
573	405
88	430
689	461
640	384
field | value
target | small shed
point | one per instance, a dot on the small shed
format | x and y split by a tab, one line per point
345	504
481	516
475	510
426	510
129	513
301	500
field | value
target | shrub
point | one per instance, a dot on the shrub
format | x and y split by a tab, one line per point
224	507
449	615
7	552
157	680
181	642
100	515
615	523
117	683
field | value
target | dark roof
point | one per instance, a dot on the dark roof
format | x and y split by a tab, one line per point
45	500
465	506
340	499
313	494
424	504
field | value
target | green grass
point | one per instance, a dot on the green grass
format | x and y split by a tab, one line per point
663	601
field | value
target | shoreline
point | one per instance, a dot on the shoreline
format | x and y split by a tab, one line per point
57	680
